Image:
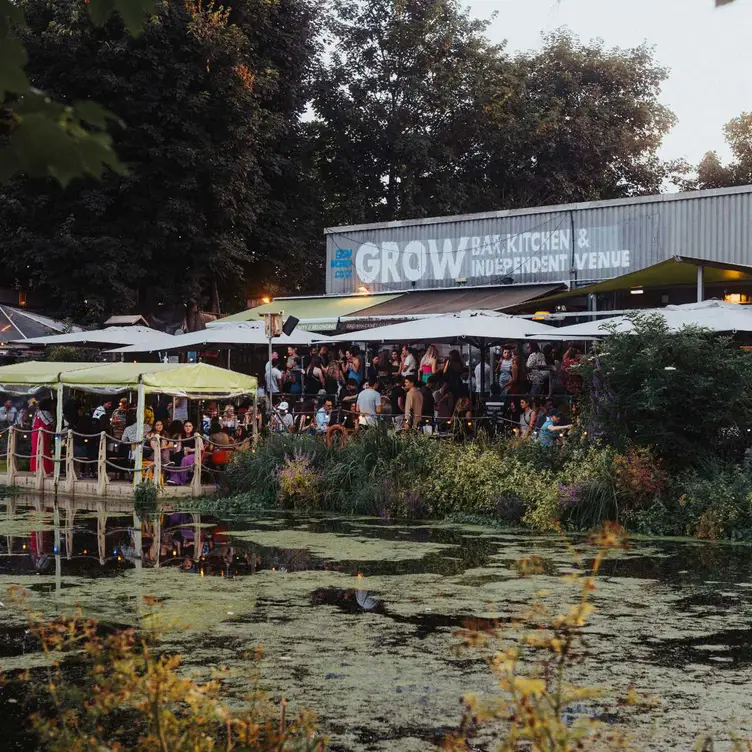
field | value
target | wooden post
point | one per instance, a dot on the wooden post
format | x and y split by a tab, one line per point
198	456
102	531
197	542
70	517
102	477
58	432
254	430
11	457
139	456
39	475
70	465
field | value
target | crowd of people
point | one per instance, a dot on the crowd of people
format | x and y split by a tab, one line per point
170	429
433	389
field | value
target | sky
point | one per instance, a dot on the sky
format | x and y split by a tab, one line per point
707	50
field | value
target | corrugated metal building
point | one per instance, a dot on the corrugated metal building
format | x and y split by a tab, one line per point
524	254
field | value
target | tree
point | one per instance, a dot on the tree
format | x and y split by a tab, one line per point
418	115
687	394
712	173
582	123
209	97
389	103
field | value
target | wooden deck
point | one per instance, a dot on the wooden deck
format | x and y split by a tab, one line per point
113	489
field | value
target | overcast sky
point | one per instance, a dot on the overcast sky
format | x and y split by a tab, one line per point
708	51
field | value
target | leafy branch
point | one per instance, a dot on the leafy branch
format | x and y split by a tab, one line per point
41	137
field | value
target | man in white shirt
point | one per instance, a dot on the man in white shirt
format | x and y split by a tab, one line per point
368	405
486	377
273	376
408	365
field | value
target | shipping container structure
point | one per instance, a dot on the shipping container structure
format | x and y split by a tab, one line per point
532	252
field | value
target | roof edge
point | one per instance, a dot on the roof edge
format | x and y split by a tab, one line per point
553	209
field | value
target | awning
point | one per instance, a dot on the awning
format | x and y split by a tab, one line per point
30	376
315	314
223	336
476	327
19	325
178	379
674	272
111	336
454	301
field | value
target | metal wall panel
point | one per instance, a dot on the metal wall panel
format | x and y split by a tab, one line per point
577	244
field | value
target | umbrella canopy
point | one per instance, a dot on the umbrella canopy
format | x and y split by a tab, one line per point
229	335
32	375
710	314
196	380
178	379
19	325
110	336
476	327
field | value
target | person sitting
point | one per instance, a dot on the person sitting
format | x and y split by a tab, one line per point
229	419
347	398
324	416
282	421
443	401
463	417
188	448
218	438
240	439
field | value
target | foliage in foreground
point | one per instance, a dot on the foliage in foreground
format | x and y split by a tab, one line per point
535	706
138	698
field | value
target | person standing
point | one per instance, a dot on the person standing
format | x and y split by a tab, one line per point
368	404
429	363
8	414
117	421
485	384
408	363
273	376
537	368
413	403
42	431
443	401
508	370
527	419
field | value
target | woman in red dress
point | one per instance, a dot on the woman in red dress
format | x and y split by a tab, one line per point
42	420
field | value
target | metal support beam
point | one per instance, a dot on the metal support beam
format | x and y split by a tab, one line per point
700	284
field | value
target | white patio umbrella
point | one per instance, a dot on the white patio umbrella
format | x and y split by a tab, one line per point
110	336
226	336
479	328
709	314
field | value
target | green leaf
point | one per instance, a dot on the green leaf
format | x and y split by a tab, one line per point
10	15
133	12
100	11
12	61
94	114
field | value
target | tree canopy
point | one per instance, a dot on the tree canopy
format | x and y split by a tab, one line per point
210	99
246	130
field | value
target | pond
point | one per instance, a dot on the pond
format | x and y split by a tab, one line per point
357	615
